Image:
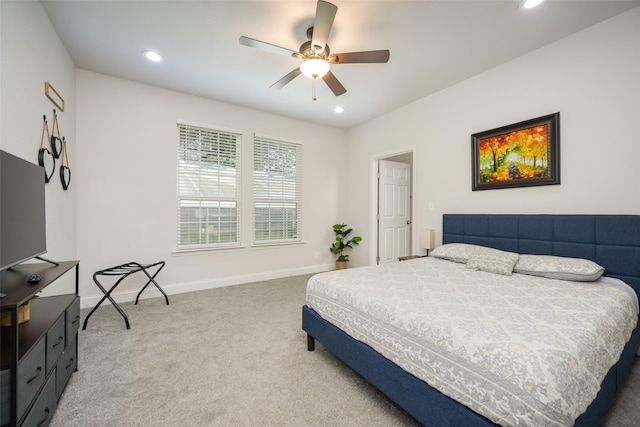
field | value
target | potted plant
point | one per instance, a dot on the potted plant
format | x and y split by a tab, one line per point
341	243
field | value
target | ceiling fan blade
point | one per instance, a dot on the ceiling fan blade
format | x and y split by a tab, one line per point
333	83
286	79
360	57
325	14
246	41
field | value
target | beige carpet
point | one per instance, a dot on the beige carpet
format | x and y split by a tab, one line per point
232	356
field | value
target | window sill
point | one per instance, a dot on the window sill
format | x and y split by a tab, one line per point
272	244
204	251
201	251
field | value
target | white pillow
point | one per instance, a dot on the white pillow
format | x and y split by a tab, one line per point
493	261
458	252
561	268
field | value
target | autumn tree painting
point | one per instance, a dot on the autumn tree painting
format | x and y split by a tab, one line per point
520	155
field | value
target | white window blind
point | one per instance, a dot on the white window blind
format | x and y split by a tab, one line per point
208	187
277	190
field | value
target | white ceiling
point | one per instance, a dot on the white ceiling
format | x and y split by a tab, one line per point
433	44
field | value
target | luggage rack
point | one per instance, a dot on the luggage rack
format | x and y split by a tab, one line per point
125	270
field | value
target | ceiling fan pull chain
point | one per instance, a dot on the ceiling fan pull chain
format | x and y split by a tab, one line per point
313	90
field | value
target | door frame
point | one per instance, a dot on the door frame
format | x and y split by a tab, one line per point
373	215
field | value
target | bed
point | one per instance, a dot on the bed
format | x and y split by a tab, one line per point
611	241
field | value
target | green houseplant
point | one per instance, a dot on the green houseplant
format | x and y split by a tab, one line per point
341	243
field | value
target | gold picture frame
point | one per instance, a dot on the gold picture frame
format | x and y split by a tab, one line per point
54	96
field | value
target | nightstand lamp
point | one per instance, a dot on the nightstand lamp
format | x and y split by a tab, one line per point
427	240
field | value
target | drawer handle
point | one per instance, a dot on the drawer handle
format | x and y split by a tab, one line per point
46	415
30	380
60	340
71	361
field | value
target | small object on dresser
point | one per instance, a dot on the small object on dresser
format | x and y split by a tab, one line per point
24	314
34	278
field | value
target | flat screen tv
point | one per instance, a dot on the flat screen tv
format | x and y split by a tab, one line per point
22	210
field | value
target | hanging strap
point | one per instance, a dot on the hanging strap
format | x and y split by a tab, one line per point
65	159
44	126
55	127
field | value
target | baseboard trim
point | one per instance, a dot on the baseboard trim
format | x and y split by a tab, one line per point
179	288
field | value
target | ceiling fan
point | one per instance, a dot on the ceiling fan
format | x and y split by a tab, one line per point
315	53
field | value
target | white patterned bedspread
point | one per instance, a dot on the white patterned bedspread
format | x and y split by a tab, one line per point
520	350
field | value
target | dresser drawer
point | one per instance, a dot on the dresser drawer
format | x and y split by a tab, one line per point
73	320
66	366
42	411
55	342
31	375
5	397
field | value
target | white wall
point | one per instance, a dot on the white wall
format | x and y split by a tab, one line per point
126	184
592	78
31	53
122	151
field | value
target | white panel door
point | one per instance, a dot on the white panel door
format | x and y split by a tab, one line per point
394	199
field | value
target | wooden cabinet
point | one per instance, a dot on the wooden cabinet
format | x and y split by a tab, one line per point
37	357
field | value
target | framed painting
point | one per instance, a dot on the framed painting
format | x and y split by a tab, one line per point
519	155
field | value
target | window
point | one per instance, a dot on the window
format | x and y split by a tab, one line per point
208	187
277	196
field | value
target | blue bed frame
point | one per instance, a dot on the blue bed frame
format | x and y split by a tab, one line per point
613	241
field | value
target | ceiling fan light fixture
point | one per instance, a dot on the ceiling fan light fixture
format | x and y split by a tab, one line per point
314	68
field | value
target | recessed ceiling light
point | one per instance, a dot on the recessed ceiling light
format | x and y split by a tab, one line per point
529	4
338	109
152	56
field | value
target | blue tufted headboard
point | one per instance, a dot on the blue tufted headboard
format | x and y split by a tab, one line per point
613	241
